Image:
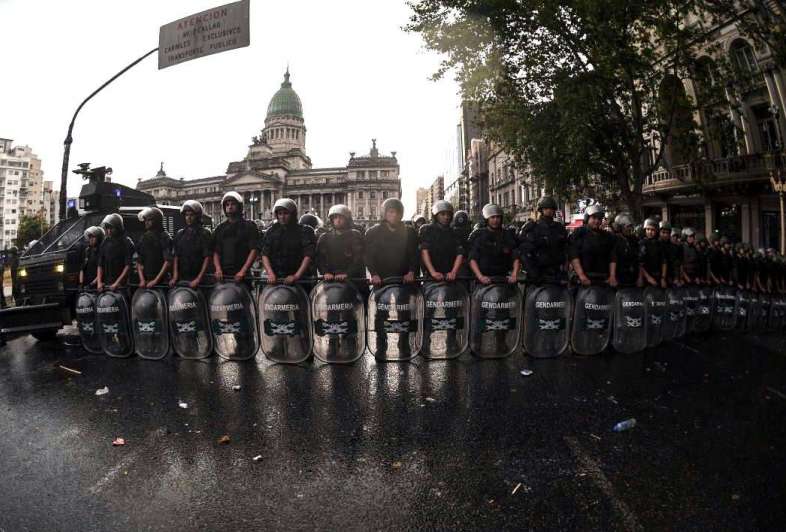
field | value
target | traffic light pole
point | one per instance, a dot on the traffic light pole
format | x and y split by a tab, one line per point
69	138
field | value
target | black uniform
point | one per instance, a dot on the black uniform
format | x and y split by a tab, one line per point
234	241
340	252
743	271
443	245
596	250
692	262
90	263
155	248
391	251
673	255
191	245
286	245
494	251
628	260
115	254
542	250
652	256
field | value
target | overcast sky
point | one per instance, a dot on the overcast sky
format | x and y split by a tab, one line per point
358	75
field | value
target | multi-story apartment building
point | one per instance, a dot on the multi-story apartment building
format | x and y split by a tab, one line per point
726	186
421	202
276	166
22	189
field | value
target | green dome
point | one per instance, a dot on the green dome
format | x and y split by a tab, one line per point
285	101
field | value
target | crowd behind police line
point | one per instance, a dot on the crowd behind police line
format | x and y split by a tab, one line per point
448	248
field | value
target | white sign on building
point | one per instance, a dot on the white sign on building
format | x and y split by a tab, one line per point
209	32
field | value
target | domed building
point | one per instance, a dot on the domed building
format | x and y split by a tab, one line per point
277	166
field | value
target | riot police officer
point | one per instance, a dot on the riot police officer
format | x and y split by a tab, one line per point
418	221
462	227
191	248
88	272
652	256
339	254
592	251
289	247
154	252
115	254
672	254
235	241
543	245
691	259
314	222
441	250
627	251
493	250
391	246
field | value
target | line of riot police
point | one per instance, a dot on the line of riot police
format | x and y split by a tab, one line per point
333	291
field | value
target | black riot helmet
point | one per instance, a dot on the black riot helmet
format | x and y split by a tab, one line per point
546	202
461	219
311	220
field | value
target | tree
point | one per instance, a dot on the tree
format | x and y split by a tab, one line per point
30	228
583	90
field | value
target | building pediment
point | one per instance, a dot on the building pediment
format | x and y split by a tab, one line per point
251	178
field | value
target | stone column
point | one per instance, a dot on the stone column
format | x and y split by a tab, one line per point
664	212
775	99
755	236
738	124
745	216
708	226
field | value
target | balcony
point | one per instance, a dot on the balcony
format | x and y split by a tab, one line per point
718	172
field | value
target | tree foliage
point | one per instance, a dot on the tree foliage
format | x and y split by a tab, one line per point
30	228
587	92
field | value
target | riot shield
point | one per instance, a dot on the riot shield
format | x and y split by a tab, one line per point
704	309
630	318
495	319
284	323
189	324
724	319
86	322
547	314
148	316
655	299
233	321
776	314
674	317
742	309
591	331
114	332
445	320
395	321
338	324
765	302
754	311
681	325
690	299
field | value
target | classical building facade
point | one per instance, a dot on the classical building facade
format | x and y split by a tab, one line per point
23	191
277	166
725	187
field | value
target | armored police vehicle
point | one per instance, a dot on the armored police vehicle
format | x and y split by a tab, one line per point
41	290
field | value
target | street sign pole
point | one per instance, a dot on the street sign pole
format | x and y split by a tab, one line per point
70	139
209	32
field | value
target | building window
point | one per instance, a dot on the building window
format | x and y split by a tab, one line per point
372	195
372	174
743	58
361	174
384	194
384	173
360	194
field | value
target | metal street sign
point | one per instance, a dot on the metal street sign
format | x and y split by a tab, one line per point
209	32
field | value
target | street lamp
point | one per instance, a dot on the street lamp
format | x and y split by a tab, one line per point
253	200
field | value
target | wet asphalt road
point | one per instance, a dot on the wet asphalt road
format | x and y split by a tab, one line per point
464	444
